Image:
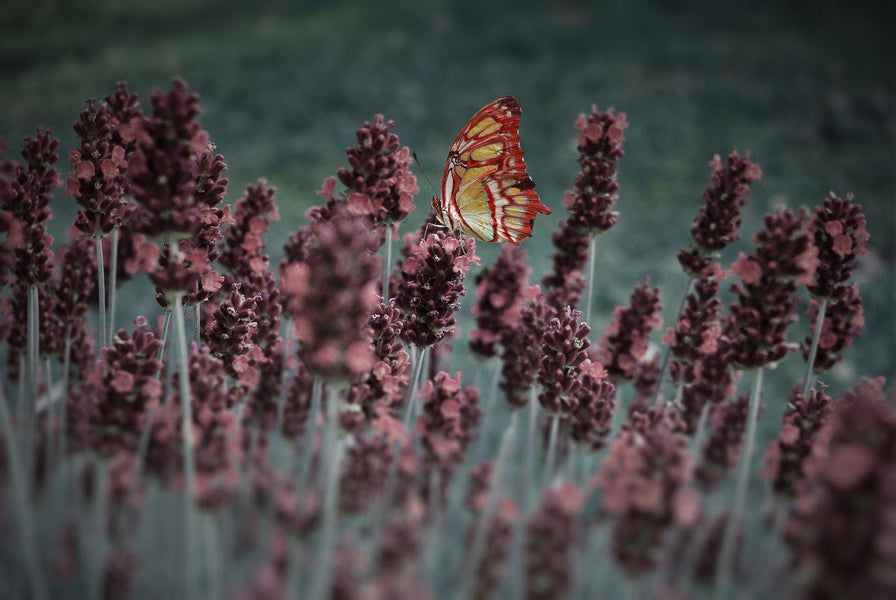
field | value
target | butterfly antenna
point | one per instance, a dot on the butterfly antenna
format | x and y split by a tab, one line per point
423	172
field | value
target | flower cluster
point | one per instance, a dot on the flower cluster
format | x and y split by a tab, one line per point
431	284
176	182
722	449
25	194
785	456
563	345
644	481
590	421
97	181
841	531
500	294
450	415
521	356
719	218
330	296
624	343
838	229
756	327
388	378
230	334
696	332
378	182
129	386
550	538
590	203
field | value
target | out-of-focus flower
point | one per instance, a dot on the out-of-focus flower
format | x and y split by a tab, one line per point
500	296
722	449
330	296
550	539
431	284
591	420
841	530
522	348
450	415
644	480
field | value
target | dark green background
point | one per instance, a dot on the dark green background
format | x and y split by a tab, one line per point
805	87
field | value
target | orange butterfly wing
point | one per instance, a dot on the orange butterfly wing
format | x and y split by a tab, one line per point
486	191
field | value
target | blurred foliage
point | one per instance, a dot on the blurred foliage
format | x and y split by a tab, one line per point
805	87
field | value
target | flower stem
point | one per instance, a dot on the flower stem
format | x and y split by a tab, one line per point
308	434
113	282
729	537
592	248
491	503
387	263
410	407
529	450
552	451
813	350
668	350
19	485
333	446
101	283
187	434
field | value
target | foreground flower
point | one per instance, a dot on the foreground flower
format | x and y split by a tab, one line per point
644	481
550	538
330	295
842	530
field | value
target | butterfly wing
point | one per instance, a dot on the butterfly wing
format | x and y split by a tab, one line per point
486	191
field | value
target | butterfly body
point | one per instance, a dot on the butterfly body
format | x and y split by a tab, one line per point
486	192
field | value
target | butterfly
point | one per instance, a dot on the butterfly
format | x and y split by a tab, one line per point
486	192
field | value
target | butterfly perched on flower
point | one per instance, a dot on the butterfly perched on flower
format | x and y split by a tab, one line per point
486	192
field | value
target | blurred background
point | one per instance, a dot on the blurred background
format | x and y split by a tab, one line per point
806	88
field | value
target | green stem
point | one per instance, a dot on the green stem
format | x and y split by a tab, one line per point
387	263
410	407
813	350
63	410
113	282
323	573
529	451
19	484
725	566
491	504
668	350
101	283
187	434
552	451
592	247
308	434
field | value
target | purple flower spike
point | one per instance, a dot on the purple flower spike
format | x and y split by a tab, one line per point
563	345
